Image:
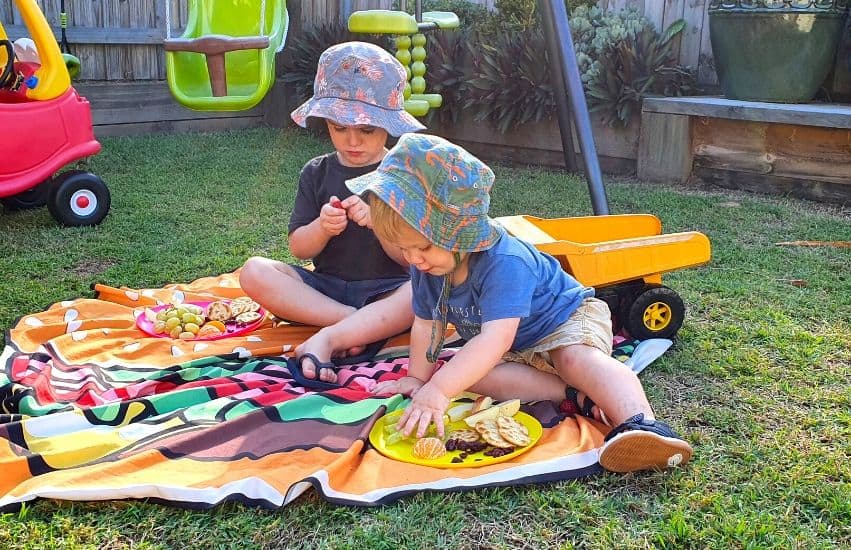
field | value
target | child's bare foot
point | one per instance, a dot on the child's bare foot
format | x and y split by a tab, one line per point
309	363
315	353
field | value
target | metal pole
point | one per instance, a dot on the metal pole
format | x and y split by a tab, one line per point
560	46
345	10
559	92
418	11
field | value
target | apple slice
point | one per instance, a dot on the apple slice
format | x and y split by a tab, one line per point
487	414
459	411
481	403
508	408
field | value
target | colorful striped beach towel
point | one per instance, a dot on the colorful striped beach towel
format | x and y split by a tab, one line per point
91	408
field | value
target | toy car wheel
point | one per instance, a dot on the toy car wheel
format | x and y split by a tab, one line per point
31	198
658	312
79	198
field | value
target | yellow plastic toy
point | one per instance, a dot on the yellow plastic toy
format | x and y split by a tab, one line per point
409	33
623	257
51	79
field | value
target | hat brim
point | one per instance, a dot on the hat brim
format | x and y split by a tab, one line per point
408	199
351	112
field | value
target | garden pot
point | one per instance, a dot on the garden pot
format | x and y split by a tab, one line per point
774	50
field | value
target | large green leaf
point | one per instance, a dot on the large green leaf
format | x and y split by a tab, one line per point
674	29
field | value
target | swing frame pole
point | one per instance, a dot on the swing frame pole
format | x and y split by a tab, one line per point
570	98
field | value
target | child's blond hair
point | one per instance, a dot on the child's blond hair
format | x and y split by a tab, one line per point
386	222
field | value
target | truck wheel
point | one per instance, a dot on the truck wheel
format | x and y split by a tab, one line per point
31	198
78	198
658	312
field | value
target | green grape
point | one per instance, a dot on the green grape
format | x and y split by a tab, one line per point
191	327
199	320
171	313
186	336
187	317
176	331
161	315
159	327
172	322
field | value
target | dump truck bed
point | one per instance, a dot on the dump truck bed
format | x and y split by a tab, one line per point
606	250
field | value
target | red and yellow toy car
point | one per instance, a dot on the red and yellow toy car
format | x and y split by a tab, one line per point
47	125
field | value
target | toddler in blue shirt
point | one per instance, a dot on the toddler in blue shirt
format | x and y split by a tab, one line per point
532	331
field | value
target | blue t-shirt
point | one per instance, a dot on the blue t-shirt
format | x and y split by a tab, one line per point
511	279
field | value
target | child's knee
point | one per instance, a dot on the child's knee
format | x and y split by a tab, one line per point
578	358
252	272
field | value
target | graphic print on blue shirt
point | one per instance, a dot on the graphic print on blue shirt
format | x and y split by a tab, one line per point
511	280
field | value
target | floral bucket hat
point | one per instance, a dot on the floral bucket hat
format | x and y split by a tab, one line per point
439	189
359	83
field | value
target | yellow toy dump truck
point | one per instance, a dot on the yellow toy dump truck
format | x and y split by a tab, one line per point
623	257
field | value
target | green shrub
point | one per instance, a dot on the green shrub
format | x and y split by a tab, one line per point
623	59
470	15
521	15
510	82
448	74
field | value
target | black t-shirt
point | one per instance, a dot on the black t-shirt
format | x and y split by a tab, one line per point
355	254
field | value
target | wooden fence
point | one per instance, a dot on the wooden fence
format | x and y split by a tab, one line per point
120	39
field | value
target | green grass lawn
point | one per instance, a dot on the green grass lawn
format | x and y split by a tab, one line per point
758	380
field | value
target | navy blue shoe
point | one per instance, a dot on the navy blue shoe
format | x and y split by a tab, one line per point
639	444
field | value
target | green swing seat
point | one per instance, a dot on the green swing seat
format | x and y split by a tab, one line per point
224	61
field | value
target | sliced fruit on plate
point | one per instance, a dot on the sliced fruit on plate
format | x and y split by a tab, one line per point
481	403
508	408
459	411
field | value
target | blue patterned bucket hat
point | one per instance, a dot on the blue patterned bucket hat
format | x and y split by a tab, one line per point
359	83
439	189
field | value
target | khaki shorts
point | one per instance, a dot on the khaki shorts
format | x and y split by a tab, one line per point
590	325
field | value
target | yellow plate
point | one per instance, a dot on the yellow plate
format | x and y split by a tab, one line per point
402	450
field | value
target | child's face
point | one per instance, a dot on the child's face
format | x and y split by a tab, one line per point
357	145
420	253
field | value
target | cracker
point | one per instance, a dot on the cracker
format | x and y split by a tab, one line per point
513	431
245	302
429	448
490	433
247	318
218	311
238	308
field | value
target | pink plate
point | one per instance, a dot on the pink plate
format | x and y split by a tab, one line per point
231	328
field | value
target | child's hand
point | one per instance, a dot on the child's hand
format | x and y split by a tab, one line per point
332	219
427	406
357	211
407	385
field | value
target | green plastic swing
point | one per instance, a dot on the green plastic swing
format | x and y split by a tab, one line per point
225	59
